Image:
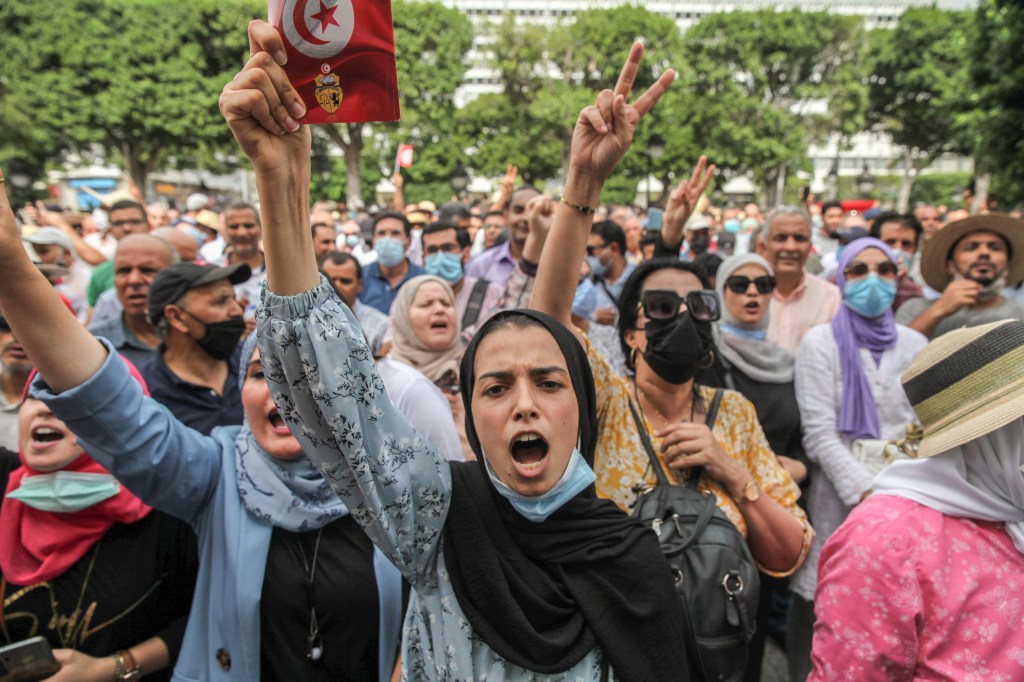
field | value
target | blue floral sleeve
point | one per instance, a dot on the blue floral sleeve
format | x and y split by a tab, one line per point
324	382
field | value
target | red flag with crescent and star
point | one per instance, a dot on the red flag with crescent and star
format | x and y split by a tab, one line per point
341	58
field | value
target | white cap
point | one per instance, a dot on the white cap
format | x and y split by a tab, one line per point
196	202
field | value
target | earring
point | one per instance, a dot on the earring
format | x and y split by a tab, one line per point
709	360
632	357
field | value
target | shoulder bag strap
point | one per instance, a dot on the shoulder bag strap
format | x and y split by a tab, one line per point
659	474
476	301
716	401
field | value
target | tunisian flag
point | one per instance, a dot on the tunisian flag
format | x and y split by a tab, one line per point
341	58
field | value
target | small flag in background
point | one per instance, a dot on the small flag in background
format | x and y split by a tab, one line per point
405	152
341	58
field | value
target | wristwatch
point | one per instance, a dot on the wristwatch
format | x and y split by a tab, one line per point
751	492
126	667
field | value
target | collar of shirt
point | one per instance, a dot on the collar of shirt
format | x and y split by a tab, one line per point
796	293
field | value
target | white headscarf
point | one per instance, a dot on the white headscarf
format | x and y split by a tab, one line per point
982	479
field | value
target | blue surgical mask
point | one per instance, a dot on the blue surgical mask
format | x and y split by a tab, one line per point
578	475
731	225
447	266
752	334
390	251
65	492
584	303
353	240
871	296
596	266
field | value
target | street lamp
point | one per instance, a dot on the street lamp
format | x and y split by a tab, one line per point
459	178
655	148
865	182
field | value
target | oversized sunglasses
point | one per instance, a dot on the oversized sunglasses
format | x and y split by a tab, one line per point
738	284
858	269
663	304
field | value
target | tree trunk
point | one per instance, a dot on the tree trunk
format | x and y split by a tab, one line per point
136	169
351	144
910	171
772	193
979	202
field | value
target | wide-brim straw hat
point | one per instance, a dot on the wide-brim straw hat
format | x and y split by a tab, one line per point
937	250
966	383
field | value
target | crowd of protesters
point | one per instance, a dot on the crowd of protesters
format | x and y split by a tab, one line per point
294	441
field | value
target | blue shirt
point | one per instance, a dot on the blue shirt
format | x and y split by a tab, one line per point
197	406
377	290
127	344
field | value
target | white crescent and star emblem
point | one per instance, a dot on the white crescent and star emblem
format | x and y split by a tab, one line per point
319	29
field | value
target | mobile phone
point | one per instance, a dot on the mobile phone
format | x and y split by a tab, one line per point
654	219
29	660
805	193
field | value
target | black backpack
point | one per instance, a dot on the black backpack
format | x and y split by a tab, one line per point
715	574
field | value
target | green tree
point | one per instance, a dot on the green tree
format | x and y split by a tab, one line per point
753	78
917	84
138	78
994	112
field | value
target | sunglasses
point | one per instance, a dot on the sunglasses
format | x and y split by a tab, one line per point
4	326
663	304
858	269
738	284
592	250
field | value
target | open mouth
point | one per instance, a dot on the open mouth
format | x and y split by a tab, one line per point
45	435
277	423
529	450
440	324
752	307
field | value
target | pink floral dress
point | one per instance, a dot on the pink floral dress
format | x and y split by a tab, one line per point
908	593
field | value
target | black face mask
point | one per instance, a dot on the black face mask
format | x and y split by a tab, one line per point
675	348
699	245
221	338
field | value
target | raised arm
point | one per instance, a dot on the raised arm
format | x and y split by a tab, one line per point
320	371
602	136
63	351
681	205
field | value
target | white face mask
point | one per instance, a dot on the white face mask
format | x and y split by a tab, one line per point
578	475
65	491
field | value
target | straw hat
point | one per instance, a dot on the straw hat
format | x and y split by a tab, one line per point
937	250
967	383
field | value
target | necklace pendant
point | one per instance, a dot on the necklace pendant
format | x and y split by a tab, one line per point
316	647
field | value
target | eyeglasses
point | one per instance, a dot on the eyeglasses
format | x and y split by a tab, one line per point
663	304
738	284
858	269
5	326
592	250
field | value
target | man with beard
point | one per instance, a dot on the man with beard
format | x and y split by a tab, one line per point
800	300
14	370
970	261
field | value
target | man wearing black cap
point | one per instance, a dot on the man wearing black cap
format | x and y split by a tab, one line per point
195	373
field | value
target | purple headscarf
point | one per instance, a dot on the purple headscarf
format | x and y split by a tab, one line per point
858	415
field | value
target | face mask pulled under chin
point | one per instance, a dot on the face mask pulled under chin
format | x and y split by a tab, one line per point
65	492
578	475
676	348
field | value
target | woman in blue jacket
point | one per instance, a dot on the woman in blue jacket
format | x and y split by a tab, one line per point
289	587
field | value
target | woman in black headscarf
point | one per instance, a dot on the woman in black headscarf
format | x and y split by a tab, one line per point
518	570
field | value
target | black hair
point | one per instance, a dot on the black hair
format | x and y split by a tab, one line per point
316	226
453	210
244	206
340	258
830	204
461	236
394	215
629	299
706	265
902	219
610	233
127	203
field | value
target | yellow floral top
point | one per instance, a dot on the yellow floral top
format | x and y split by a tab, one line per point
621	463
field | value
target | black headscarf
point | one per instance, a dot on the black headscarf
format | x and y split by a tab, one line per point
543	595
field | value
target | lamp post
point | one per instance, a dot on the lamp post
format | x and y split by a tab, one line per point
865	182
832	180
655	148
459	178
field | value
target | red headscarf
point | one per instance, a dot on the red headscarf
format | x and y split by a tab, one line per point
40	545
